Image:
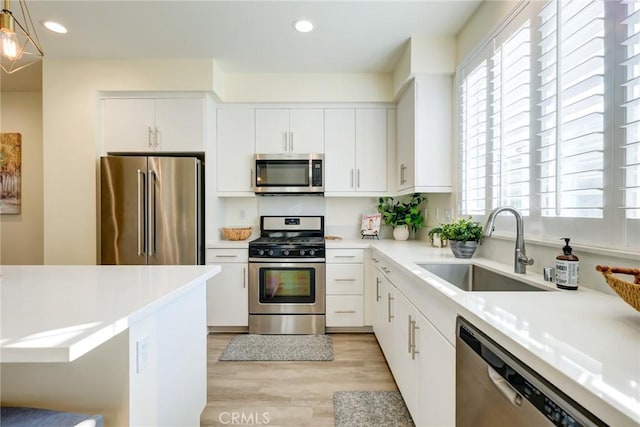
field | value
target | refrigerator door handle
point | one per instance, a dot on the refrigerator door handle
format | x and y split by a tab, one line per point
152	213
140	214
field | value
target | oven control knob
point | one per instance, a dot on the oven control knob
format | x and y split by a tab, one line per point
260	252
270	252
301	252
312	252
285	252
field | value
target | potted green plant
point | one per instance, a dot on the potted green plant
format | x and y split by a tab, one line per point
436	238
463	235
402	216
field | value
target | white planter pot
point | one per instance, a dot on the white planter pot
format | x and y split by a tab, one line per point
401	232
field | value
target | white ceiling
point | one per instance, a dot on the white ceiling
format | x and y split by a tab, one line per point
248	36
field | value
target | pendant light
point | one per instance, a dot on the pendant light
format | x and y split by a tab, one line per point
19	44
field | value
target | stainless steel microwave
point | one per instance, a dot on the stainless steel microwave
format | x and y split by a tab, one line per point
289	174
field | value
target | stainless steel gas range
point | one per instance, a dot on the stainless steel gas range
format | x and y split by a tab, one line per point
287	276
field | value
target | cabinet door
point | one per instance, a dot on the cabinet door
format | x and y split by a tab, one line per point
272	130
403	368
371	150
345	279
180	124
345	311
307	130
435	361
340	153
406	138
235	149
228	296
127	125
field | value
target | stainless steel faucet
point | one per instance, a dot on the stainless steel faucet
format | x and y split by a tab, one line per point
521	260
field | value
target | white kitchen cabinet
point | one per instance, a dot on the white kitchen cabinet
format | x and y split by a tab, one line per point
289	131
235	151
356	150
227	293
153	124
345	287
421	360
425	143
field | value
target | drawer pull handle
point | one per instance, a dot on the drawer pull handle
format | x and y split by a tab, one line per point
226	256
344	256
345	312
344	280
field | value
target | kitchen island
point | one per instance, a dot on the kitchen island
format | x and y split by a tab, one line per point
127	342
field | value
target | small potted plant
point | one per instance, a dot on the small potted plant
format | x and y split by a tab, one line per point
402	216
463	235
436	238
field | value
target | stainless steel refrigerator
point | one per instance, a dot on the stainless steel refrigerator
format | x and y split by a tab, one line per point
151	210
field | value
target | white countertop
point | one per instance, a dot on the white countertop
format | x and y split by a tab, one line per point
59	313
587	343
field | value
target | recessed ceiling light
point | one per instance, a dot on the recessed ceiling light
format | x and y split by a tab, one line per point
303	26
56	27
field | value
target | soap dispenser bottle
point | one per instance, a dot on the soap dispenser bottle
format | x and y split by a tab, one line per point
567	268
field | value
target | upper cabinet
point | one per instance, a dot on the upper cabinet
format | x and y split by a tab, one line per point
153	124
425	144
235	151
356	150
289	131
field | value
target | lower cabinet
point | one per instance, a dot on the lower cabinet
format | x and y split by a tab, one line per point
345	286
422	361
227	292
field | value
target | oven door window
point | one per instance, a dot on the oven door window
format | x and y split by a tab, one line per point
280	285
282	173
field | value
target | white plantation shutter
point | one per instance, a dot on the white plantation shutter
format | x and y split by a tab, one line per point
561	135
510	121
571	138
473	106
631	142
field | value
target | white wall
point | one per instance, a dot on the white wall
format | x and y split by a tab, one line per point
21	236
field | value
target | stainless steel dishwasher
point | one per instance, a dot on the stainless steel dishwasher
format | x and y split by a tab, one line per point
493	388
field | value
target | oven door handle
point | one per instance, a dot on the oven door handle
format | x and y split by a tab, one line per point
287	260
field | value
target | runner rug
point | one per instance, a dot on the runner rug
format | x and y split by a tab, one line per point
253	347
370	409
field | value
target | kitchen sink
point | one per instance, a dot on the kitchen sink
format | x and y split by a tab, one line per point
474	278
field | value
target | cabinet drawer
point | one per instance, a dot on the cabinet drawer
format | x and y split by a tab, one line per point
345	279
345	255
227	255
345	310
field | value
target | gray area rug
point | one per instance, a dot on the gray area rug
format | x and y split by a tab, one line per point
278	348
370	408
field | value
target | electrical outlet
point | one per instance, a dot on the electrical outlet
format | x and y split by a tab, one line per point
142	354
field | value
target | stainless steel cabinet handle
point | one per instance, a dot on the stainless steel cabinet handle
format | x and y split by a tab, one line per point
291	142
244	277
156	143
377	289
351	178
345	311
389	315
226	256
409	339
140	212
358	179
375	260
504	387
286	142
344	280
251	178
344	256
414	327
150	143
385	269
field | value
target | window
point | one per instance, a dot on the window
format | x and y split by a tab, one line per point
558	90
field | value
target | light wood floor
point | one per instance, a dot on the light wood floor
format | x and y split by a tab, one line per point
291	393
